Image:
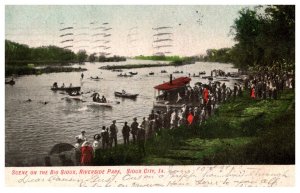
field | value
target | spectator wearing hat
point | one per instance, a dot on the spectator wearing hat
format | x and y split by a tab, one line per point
82	136
126	133
97	148
113	133
134	129
141	138
77	150
86	154
96	143
105	138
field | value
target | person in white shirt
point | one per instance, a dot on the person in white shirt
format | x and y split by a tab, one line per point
82	136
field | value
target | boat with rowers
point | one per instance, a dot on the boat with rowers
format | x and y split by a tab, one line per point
97	101
66	89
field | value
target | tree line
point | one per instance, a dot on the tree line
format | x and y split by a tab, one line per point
20	54
265	36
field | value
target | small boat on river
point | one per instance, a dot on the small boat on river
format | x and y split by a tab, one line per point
133	73
96	78
124	75
67	89
126	95
117	70
11	82
151	73
101	104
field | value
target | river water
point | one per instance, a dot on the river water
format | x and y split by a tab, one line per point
33	128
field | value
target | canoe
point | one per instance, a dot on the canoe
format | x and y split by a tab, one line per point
163	71
151	73
67	89
126	95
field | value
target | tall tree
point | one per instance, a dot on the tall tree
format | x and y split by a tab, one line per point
265	36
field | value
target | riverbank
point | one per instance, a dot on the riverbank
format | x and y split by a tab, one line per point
133	66
29	70
241	131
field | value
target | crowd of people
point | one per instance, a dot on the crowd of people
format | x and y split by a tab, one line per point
198	103
204	98
268	85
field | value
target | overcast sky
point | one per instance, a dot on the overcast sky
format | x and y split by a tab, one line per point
194	28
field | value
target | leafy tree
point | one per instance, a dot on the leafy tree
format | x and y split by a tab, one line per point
81	56
92	57
265	36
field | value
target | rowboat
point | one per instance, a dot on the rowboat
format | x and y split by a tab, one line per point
100	104
126	95
67	89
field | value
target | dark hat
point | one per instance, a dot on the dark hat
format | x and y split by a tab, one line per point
97	136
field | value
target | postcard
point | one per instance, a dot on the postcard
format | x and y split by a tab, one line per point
150	95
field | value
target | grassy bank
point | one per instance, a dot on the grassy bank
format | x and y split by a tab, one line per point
29	70
242	131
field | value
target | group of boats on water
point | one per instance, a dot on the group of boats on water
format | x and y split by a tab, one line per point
76	94
131	74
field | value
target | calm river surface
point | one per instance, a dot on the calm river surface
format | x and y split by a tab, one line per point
33	128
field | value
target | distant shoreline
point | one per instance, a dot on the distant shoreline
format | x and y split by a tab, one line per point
27	70
132	66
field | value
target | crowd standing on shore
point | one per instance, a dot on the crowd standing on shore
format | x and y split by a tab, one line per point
197	104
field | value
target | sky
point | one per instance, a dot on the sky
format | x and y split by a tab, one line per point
193	29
